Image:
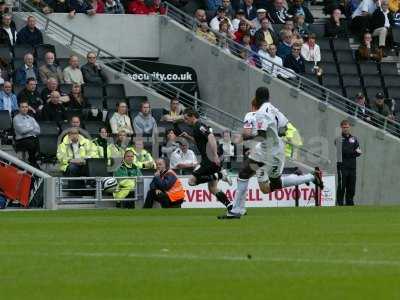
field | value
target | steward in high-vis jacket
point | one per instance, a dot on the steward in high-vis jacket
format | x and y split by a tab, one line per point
127	169
165	188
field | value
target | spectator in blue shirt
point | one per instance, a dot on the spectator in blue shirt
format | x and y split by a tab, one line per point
30	34
28	70
285	47
8	100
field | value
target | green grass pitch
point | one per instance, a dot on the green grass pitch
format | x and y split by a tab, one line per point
287	253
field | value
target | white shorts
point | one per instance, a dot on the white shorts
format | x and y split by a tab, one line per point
273	163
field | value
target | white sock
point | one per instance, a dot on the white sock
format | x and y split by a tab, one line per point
294	179
239	202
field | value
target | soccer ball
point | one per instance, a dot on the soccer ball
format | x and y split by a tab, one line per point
109	184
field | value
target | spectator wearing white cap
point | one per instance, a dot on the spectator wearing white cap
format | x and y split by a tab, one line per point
256	22
221	15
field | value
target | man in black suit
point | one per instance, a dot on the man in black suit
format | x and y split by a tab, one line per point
8	32
250	11
295	61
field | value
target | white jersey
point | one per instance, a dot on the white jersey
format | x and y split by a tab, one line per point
269	119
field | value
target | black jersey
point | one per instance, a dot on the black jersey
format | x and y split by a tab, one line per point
200	135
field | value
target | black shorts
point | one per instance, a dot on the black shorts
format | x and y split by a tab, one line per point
204	169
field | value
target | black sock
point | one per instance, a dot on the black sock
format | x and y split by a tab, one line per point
221	197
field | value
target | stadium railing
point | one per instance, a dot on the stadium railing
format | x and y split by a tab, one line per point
323	94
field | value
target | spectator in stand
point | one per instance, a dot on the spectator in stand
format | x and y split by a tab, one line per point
51	86
101	142
200	16
54	110
26	133
143	159
298	8
300	26
72	153
56	6
242	29
336	27
72	73
277	13
230	13
139	7
295	61
165	188
5	71
171	145
221	15
30	95
256	22
28	70
30	34
250	11
183	158
120	119
361	108
265	34
77	103
144	123
212	6
8	100
126	186
247	57
175	111
379	106
240	17
80	7
8	33
98	6
361	16
367	50
310	50
381	22
225	30
50	69
226	147
113	7
285	47
115	152
204	32
92	72
246	42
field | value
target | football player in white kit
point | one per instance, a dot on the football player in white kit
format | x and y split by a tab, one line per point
266	125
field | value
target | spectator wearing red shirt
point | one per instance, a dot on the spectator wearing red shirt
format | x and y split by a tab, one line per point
98	6
140	8
243	28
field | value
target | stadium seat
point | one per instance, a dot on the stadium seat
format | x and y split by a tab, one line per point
114	90
92	91
352	91
111	102
5	54
394	93
324	44
165	125
48	147
327	56
337	89
41	50
345	56
370	92
329	68
331	80
318	30
351	80
341	44
65	88
391	80
49	128
5	120
95	102
22	49
93	127
389	69
372	80
97	167
312	77
157	113
134	102
348	69
309	67
368	68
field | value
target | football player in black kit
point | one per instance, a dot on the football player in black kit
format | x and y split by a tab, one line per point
209	170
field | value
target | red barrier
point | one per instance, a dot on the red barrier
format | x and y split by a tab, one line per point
15	183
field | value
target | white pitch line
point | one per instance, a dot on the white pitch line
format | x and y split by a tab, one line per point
360	262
